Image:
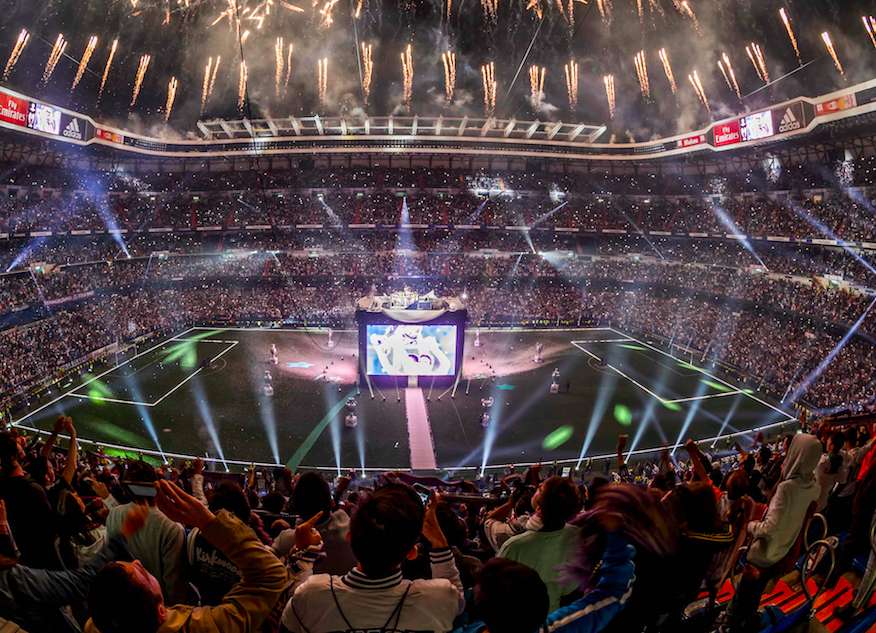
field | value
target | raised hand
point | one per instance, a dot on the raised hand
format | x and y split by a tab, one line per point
431	528
306	534
182	507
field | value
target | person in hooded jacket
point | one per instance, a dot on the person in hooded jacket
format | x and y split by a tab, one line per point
775	535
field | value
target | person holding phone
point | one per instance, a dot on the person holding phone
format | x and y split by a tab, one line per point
159	545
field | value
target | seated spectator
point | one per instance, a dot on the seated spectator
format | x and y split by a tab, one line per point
556	502
159	545
125	598
384	532
311	496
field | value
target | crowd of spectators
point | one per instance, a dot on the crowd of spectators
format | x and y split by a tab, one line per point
102	544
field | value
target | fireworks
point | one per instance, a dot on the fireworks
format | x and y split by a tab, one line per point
828	43
242	79
54	57
604	7
571	70
694	79
755	54
407	61
685	9
325	13
488	75
608	80
491	10
787	22
106	68
449	60
667	68
322	79
642	74
279	65
210	73
171	97
20	43
83	63
367	70
870	25
357	13
536	85
142	67
729	76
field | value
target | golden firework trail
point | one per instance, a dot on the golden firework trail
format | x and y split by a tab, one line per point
605	8
694	79
640	10
83	63
242	79
20	43
491	9
571	70
407	61
357	13
142	67
642	74
828	43
755	54
288	69
326	17
106	68
686	10
367	70
488	75
535	7
54	57
448	58
536	85
171	97
729	76
322	79
667	68
608	80
870	25
279	65
205	86
787	22
447	13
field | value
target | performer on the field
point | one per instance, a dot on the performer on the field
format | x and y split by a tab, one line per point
274	358
268	383
539	348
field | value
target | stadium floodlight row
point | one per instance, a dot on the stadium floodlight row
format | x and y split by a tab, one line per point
436	135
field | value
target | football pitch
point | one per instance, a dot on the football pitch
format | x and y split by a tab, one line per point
201	393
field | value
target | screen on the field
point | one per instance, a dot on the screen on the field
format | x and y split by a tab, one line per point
411	350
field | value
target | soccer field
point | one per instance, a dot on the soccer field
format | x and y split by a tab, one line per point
201	393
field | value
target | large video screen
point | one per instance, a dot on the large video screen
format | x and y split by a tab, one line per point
411	350
757	126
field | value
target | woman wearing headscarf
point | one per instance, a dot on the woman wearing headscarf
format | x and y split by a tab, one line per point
775	535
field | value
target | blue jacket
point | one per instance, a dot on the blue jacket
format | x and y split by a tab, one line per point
594	611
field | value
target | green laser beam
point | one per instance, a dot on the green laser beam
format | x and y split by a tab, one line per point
558	437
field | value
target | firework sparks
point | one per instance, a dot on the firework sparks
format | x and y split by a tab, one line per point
407	61
642	74
729	75
171	97
322	79
685	9
54	57
279	65
367	70
535	7
787	22
694	79
571	70
83	63
242	79
142	67
608	80
491	10
488	76
210	72
605	8
755	55
357	13
536	85
449	60
640	10
870	25
326	17
106	68
447	14
667	68
828	43
20	43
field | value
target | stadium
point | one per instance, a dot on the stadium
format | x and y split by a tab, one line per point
497	318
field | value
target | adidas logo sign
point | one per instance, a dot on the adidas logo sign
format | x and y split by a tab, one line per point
789	121
72	130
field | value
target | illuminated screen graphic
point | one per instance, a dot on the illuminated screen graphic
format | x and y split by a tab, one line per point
757	126
411	350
